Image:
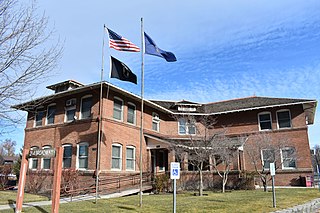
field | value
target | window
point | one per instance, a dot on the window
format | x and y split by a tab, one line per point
33	162
265	122
51	112
268	156
39	116
186	127
117	109
82	155
70	110
288	158
130	158
162	160
85	111
116	157
67	155
155	122
46	162
131	117
284	119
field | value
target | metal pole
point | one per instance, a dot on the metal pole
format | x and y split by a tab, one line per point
99	122
141	116
174	195
318	176
273	193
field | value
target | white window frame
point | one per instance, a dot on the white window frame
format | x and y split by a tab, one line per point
78	149
67	108
39	109
33	159
67	145
47	115
282	159
120	158
284	110
121	113
264	113
42	159
134	113
84	97
134	158
163	167
155	120
186	127
262	159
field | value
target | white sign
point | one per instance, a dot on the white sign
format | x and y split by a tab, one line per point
174	170
272	169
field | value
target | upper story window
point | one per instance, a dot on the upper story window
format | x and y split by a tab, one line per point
70	109
67	156
265	122
288	158
186	127
39	116
116	157
82	155
33	162
117	109
46	162
130	158
86	104
131	117
284	119
155	122
267	156
51	112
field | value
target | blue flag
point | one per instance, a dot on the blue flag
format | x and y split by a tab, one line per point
152	49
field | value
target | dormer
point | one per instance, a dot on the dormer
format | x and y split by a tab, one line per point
64	86
186	106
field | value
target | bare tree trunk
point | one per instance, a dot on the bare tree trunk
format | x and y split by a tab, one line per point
264	183
201	183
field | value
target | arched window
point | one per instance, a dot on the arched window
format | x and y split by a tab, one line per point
82	155
130	158
46	162
85	108
33	162
131	116
116	163
67	156
118	108
51	112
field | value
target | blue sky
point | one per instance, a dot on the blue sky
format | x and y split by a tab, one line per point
225	49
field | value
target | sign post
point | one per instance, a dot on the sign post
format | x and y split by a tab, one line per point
273	173
174	175
22	180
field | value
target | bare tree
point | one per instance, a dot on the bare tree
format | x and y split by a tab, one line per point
204	145
315	158
264	149
224	153
8	147
26	56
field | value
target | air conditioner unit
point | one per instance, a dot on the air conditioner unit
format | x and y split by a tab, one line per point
71	102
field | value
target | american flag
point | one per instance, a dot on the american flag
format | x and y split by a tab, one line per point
120	43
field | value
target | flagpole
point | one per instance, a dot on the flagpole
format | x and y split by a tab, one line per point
100	121
141	116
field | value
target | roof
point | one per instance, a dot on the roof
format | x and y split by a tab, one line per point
68	82
170	107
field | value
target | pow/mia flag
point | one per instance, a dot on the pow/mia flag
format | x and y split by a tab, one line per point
121	71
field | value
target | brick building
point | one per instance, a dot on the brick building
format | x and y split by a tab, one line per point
70	118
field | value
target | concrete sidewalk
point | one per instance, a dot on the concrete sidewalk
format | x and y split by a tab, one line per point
75	199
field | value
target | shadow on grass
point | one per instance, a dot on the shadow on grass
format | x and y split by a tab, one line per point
126	208
12	205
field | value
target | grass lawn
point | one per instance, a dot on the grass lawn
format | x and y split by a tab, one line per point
7	197
235	201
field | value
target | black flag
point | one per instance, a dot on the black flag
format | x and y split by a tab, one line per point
121	71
